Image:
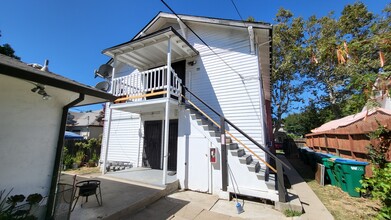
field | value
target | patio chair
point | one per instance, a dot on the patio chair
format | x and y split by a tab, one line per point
88	188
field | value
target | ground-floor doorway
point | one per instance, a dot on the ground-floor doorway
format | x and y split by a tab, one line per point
153	145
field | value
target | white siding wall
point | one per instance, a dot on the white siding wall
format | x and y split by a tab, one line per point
233	90
124	137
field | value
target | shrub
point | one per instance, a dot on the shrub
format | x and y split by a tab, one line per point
379	185
79	157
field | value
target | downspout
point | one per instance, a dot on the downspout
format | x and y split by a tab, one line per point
57	160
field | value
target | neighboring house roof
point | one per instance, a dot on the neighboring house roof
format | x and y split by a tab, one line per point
86	118
351	119
15	68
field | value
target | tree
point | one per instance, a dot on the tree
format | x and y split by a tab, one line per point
345	58
287	62
337	59
7	50
302	123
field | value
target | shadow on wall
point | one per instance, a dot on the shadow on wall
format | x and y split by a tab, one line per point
201	86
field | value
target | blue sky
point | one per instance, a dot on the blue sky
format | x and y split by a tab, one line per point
72	33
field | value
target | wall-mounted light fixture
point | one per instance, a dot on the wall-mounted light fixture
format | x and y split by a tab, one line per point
40	89
192	63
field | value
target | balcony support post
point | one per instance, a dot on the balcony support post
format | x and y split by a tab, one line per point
167	114
109	118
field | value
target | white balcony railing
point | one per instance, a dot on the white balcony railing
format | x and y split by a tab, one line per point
139	86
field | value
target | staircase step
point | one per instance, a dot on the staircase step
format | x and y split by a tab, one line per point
214	133
271	184
272	177
246	159
238	152
261	176
233	146
263	194
254	166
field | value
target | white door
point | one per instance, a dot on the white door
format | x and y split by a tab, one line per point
198	164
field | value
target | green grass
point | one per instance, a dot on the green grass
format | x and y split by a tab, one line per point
291	213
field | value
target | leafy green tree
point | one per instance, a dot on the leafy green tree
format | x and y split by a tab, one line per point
287	62
7	50
335	58
302	123
328	76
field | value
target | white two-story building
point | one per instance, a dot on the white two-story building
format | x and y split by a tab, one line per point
161	121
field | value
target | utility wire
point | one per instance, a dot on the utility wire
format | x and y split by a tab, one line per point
237	11
241	77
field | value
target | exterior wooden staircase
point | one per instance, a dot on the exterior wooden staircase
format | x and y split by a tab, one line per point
259	182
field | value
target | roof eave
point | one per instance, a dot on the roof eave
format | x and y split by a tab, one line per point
36	76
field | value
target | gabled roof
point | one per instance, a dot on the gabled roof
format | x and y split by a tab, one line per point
156	21
151	50
15	68
146	58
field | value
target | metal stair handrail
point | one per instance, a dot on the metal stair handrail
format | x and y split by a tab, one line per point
230	134
282	193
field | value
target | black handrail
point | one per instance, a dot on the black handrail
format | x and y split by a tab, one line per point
282	193
240	131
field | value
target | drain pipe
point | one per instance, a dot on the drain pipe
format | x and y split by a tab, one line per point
57	160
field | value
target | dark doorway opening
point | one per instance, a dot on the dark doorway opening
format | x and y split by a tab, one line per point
152	144
152	153
173	145
179	68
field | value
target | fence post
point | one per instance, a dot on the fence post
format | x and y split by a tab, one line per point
282	194
224	166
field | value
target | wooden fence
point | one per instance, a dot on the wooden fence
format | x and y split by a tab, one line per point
350	141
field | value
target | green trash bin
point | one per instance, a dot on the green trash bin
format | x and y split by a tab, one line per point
350	172
329	167
308	156
312	159
302	153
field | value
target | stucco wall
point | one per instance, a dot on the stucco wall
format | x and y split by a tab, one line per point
29	129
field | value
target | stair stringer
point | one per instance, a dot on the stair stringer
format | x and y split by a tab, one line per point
244	179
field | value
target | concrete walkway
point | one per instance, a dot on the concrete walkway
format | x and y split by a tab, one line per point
189	205
313	207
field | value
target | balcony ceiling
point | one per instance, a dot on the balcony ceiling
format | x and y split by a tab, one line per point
151	50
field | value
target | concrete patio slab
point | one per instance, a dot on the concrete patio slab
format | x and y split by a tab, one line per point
142	175
120	198
194	205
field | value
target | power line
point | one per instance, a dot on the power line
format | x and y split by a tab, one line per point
241	77
237	11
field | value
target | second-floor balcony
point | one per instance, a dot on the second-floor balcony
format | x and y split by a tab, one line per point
148	89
